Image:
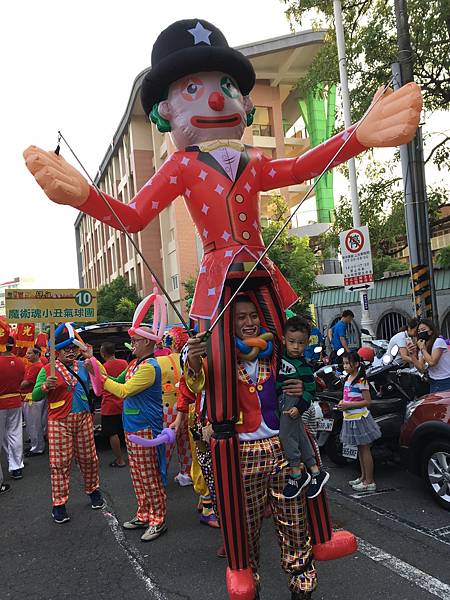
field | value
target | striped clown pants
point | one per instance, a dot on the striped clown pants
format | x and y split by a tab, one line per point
223	407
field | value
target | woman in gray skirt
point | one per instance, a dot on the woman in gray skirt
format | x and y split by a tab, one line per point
358	428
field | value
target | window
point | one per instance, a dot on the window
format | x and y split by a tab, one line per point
262	122
390	324
174	280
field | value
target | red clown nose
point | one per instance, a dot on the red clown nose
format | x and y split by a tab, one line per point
216	101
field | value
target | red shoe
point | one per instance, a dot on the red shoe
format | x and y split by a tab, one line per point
241	584
221	552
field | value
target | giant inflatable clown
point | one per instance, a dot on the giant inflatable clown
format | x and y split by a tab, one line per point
198	89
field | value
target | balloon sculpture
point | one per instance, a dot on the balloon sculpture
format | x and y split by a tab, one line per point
198	89
155	334
159	316
167	436
73	337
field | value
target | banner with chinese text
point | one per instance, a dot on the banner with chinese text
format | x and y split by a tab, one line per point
51	306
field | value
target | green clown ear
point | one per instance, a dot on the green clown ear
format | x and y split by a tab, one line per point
163	125
250	116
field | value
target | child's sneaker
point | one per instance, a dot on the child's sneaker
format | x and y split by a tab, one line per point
295	485
355	481
365	487
318	480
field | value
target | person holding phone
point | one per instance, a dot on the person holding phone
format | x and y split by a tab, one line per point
432	355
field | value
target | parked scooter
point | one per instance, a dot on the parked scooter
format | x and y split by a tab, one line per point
392	389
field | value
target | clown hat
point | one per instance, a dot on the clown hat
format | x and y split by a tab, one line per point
188	47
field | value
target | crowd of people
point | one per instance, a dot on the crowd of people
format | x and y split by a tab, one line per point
150	392
163	386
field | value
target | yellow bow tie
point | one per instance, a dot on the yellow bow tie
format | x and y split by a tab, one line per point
215	144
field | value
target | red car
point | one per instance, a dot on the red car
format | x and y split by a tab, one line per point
425	443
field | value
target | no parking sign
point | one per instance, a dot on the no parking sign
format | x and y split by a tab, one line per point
356	259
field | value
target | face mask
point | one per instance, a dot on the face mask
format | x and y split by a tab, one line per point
424	335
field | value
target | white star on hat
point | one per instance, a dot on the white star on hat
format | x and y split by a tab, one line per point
200	34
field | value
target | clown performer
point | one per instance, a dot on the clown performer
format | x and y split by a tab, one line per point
70	430
140	388
198	89
170	366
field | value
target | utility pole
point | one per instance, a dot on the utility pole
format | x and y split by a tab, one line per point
366	321
416	200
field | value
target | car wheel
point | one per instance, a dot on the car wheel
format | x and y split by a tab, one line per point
436	471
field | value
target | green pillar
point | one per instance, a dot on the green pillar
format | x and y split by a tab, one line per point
318	112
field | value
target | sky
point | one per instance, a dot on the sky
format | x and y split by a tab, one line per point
70	67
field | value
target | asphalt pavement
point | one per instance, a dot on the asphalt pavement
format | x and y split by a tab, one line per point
404	543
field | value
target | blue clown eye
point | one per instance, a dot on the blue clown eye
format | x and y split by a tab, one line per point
229	87
192	88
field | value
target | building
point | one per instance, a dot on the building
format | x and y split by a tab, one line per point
170	244
17	282
390	305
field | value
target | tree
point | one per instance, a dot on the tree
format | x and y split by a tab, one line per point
444	258
382	209
117	301
371	46
383	264
292	255
189	289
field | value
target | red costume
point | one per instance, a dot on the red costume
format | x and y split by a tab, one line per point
225	210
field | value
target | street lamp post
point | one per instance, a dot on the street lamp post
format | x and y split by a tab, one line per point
366	321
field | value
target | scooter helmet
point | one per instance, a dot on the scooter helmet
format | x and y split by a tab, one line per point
366	354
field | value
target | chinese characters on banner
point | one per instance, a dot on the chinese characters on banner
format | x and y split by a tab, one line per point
51	306
356	259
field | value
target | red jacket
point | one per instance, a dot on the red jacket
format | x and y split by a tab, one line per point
224	208
12	371
255	400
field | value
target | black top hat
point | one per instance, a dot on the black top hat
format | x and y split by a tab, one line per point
187	47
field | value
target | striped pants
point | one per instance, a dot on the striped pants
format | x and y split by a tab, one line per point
146	479
72	437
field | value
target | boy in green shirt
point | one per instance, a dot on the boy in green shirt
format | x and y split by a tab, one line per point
296	444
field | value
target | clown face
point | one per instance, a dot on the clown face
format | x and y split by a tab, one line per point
203	107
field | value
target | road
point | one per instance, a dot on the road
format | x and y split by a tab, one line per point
404	541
